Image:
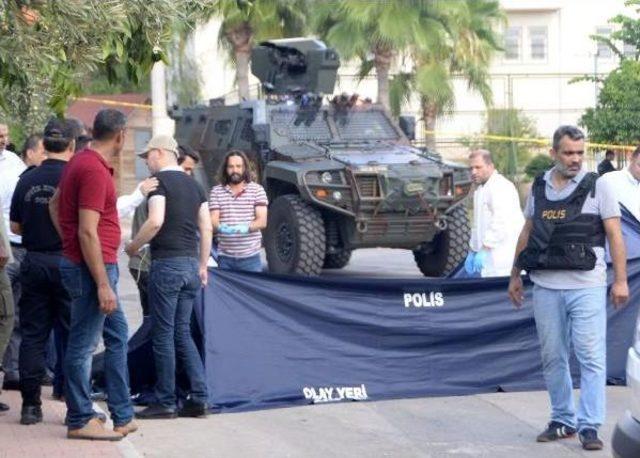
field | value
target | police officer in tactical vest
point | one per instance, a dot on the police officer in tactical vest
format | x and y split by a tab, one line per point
569	216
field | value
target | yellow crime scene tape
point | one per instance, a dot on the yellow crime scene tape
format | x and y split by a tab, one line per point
114	103
537	141
499	138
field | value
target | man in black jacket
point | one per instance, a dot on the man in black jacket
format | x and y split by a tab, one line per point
606	165
44	301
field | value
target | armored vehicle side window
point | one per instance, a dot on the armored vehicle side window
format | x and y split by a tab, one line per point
370	125
217	132
247	132
222	127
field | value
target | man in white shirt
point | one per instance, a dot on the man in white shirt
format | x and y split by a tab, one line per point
497	219
11	167
626	184
127	204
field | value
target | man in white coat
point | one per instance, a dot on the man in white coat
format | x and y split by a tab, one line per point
626	184
497	219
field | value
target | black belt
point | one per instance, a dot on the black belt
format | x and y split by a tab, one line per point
16	245
48	253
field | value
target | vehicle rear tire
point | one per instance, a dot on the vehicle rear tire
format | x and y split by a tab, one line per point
295	237
441	256
337	260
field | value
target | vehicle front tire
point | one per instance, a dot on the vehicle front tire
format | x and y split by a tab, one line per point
295	237
448	249
337	260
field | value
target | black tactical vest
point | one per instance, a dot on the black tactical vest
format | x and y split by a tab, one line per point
562	237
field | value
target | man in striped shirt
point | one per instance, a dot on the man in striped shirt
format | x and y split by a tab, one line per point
238	209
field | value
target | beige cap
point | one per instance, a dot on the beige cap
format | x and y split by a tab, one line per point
165	142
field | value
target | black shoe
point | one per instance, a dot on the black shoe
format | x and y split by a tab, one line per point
30	415
156	412
4	407
47	380
192	408
555	430
589	439
11	385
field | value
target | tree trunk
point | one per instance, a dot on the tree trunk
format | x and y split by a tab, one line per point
429	115
382	62
241	37
242	73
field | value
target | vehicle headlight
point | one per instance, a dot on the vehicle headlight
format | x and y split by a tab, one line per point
337	195
326	177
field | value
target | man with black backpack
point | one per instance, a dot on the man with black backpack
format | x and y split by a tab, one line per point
569	216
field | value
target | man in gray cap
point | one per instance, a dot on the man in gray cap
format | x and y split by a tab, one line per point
178	229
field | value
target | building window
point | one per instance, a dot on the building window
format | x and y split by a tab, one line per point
629	51
603	51
512	40
538	40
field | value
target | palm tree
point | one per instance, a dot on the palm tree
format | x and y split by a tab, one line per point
378	32
245	22
467	54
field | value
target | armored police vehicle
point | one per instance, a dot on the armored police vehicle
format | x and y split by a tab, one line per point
340	174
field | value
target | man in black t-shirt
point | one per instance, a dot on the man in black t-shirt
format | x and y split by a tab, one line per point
179	231
188	160
606	165
44	302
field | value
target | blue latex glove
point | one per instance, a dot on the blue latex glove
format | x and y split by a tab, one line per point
468	263
479	260
234	229
241	229
226	229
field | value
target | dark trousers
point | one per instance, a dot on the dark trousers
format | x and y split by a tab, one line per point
142	280
10	360
60	337
6	313
44	304
173	285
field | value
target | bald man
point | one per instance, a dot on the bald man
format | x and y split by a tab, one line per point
497	219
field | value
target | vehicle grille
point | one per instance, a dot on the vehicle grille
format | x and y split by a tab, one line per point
368	185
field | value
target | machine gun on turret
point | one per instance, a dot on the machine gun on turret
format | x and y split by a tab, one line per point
295	66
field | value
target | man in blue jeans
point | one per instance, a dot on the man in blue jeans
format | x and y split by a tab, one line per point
179	231
569	216
84	211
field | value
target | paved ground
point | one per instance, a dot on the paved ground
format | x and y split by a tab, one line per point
495	425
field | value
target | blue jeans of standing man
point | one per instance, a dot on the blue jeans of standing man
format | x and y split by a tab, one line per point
248	264
575	316
87	322
173	285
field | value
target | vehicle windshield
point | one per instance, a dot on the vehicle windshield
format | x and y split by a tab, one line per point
313	126
307	125
364	125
